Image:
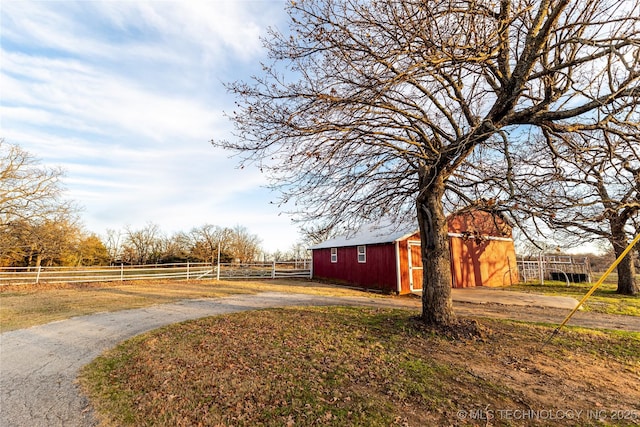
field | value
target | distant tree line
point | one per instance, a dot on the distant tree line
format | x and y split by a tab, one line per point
149	245
38	227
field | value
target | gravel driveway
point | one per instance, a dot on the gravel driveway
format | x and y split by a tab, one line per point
39	365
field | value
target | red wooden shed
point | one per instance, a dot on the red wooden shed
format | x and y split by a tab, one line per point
482	254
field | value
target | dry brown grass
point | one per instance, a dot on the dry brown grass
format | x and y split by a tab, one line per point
364	366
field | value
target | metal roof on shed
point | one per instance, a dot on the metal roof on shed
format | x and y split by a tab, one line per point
371	234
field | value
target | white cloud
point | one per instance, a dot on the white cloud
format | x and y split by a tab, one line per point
125	95
229	28
71	95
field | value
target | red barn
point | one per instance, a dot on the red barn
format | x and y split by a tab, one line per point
482	254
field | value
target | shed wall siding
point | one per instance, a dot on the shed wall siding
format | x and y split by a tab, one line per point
486	263
379	272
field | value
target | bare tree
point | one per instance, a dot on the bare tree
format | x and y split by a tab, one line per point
28	191
369	107
143	245
148	244
113	243
235	243
36	224
176	248
278	256
243	246
205	241
584	187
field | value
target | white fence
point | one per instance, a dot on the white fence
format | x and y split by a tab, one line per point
555	267
186	271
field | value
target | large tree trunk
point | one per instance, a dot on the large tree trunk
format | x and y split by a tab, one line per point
437	307
627	284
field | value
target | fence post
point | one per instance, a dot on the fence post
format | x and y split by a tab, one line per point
122	272
273	270
540	268
187	269
218	267
38	274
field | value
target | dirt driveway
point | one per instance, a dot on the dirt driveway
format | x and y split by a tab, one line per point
38	365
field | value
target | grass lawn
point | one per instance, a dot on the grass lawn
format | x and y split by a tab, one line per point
363	366
604	299
22	306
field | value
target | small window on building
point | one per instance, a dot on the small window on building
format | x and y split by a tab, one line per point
362	254
334	254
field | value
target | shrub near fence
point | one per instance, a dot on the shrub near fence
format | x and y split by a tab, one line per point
185	271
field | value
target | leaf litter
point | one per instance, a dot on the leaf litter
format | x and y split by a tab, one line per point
361	366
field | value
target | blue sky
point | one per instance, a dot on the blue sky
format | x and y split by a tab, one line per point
126	95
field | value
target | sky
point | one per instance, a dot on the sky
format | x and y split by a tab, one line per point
125	97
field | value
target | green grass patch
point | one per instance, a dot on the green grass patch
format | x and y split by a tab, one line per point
358	367
603	300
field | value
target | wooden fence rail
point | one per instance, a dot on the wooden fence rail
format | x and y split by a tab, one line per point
184	271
